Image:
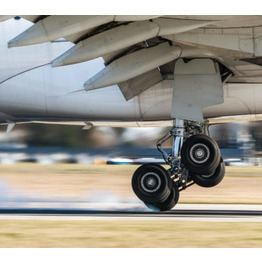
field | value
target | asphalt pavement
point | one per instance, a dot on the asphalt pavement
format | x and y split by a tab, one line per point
182	212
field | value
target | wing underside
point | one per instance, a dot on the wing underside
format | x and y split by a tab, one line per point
141	51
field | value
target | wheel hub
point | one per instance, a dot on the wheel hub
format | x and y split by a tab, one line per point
150	182
199	153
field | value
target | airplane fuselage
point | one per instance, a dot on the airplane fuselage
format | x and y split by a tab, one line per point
32	90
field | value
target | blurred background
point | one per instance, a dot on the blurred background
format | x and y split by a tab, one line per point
240	143
59	167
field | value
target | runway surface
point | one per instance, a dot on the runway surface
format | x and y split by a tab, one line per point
186	212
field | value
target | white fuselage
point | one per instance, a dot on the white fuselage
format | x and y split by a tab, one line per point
31	90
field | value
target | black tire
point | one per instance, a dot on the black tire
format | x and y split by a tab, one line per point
167	204
200	154
160	187
210	180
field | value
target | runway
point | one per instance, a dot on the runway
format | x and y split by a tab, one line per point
211	213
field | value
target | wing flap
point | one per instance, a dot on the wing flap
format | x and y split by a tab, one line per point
123	36
139	84
124	40
132	65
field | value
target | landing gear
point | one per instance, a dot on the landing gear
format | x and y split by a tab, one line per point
168	204
200	153
197	160
212	179
151	183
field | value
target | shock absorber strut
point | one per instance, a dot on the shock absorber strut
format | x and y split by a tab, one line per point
180	132
173	158
178	138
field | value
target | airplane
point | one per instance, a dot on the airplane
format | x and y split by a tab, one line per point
187	72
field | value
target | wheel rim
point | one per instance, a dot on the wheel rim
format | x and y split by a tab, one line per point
199	153
150	182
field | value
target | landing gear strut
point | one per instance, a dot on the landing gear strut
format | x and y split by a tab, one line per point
195	158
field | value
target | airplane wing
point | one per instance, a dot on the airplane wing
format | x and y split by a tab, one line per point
140	51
